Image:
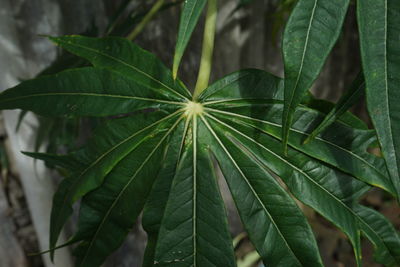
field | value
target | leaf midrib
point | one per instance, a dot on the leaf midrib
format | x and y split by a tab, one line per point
92	94
249	185
204	95
395	184
194	132
265	102
185	29
125	187
128	65
288	163
294	130
289	107
67	195
348	100
382	241
126	140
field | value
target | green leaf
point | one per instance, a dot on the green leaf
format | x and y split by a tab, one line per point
351	97
154	209
338	148
260	109
244	85
382	234
379	38
115	206
310	34
83	92
64	161
191	12
194	228
128	59
64	61
308	180
267	211
21	117
326	107
160	159
114	141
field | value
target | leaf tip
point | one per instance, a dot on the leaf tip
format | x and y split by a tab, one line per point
44	36
308	139
26	153
53	39
285	148
175	67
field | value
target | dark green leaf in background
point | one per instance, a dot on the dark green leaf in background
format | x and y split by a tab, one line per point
379	26
310	34
191	12
349	99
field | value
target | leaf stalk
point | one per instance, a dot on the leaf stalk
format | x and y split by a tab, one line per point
139	28
207	50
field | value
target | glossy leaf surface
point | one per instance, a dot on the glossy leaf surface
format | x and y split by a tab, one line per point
122	56
159	156
379	26
116	141
194	228
191	12
345	102
114	207
108	93
310	34
382	234
263	204
261	109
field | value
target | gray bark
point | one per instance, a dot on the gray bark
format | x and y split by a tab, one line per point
11	252
22	55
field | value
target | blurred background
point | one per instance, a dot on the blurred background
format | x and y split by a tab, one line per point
248	36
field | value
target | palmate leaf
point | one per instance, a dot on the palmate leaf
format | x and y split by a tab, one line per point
380	50
160	159
310	34
261	108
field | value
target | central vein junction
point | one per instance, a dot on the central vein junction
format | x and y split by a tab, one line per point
193	109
